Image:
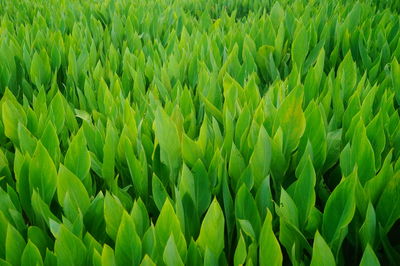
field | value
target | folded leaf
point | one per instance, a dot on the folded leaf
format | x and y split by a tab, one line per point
77	158
167	224
170	144
388	209
15	244
43	173
270	251
31	255
69	248
369	258
321	255
67	182
339	211
212	230
128	247
171	255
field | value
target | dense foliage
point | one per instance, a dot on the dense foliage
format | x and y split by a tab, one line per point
199	132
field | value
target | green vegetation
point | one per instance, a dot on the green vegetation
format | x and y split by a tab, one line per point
199	132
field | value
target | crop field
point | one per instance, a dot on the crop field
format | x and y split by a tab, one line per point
199	132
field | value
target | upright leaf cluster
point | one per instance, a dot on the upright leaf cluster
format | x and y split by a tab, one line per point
199	132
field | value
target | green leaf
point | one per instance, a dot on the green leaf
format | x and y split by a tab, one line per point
137	169
21	171
140	217
212	230
12	114
266	62
277	14
15	244
27	141
93	247
260	160
347	163
196	186
288	209
353	17
40	71
369	258
50	141
4	263
202	187
289	234
247	228
313	78
9	206
57	112
39	239
3	234
193	256
388	207
229	131
191	151
50	258
270	251
31	255
376	185
231	89
339	211
41	209
96	258
368	228
246	209
264	198
149	243
77	158
107	256
128	247
333	139
171	255
240	253
315	133
210	258
69	248
244	120
236	165
363	154
167	224
228	204
94	218
347	73
279	41
303	192
147	261
396	78
214	111
43	173
300	46
322	254
166	133
67	182
352	115
113	210
159	192
291	119
375	131
293	240
109	150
